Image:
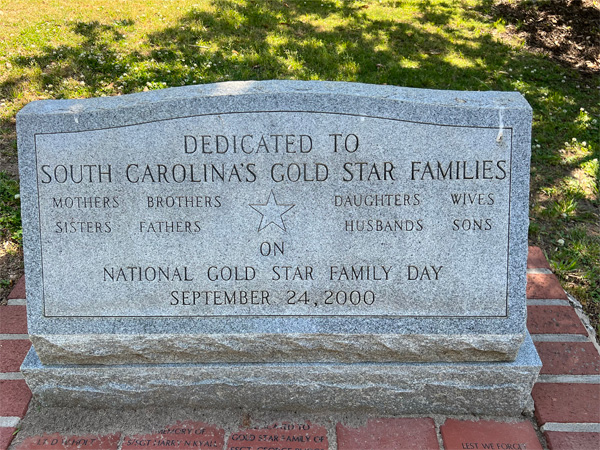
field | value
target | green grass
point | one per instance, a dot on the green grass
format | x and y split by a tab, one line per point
56	49
10	211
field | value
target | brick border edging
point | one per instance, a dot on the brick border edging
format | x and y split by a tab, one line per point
15	344
566	393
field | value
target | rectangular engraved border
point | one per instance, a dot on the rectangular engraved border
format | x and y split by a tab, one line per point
280	315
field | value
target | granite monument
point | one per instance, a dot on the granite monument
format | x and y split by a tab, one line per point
279	244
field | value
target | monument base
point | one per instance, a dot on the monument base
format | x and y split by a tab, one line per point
482	388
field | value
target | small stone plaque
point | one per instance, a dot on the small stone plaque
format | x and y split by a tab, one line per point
280	436
183	435
58	441
301	209
488	434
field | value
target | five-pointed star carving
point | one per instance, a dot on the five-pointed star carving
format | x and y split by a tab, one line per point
271	212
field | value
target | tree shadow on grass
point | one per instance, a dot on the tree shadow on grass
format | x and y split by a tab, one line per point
566	30
93	63
268	40
253	41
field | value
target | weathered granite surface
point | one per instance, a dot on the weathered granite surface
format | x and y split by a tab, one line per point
489	388
401	214
114	349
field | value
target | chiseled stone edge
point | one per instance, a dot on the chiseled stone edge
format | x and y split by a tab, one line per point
275	347
488	388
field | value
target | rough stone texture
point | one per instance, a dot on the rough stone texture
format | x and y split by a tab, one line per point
569	358
13	320
536	259
487	434
389	434
491	388
323	347
544	286
548	319
299	436
566	402
57	441
12	354
565	441
475	312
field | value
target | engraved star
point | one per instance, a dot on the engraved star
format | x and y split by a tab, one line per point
271	212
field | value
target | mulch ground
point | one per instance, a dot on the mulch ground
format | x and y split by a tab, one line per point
565	30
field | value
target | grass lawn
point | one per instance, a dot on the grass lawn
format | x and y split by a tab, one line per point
58	49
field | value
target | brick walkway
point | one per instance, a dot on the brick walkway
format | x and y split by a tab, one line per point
566	396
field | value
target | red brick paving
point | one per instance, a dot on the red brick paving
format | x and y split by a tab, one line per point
282	436
550	319
13	319
389	434
182	435
555	402
568	358
12	354
566	402
6	436
544	286
15	397
57	441
19	290
489	434
536	259
558	440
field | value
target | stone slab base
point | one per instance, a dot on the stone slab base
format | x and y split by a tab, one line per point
484	388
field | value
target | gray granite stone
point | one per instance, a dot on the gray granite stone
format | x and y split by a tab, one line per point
489	388
348	222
